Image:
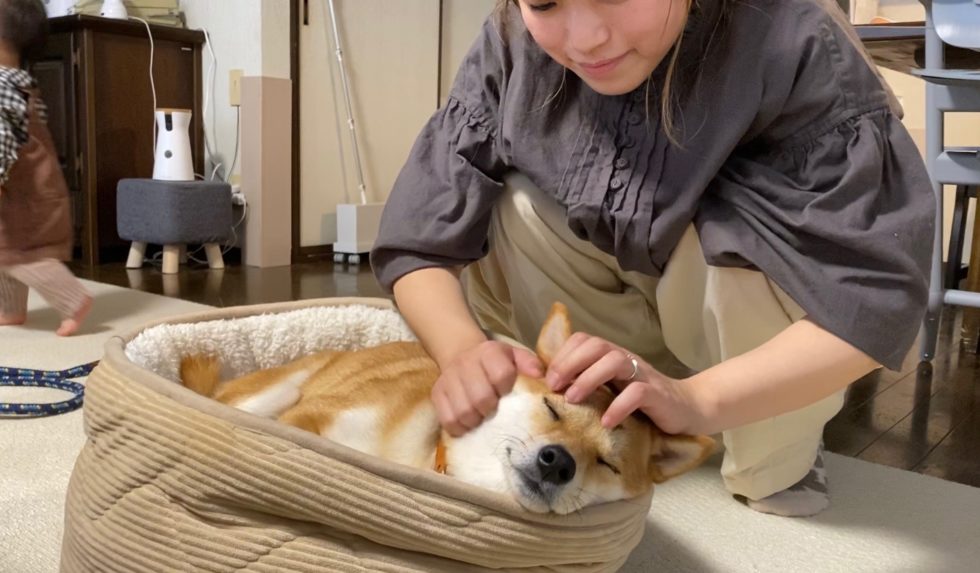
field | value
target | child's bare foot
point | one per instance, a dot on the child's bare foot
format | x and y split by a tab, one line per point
70	325
11	319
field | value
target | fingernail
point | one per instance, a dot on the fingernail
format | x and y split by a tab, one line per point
572	395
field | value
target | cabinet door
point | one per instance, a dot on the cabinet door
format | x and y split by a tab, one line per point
55	74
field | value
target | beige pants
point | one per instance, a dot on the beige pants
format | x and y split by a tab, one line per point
697	313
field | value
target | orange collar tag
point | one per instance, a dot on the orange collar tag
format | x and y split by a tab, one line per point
441	464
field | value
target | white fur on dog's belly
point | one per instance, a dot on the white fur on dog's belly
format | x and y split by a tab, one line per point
356	428
411	443
276	399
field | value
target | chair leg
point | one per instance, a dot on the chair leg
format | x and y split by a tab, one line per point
954	255
171	259
171	285
929	335
137	250
215	260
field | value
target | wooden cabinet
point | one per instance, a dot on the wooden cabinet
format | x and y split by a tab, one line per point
95	79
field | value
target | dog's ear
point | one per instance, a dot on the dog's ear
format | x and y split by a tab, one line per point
556	330
674	455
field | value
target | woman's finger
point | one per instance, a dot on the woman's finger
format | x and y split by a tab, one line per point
499	369
445	413
631	399
482	395
559	372
464	411
579	358
615	364
527	364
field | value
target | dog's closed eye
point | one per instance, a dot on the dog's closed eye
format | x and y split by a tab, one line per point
602	462
554	412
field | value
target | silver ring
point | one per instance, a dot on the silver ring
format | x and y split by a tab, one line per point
636	367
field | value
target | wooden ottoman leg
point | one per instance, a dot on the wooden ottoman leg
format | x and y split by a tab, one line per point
171	259
137	250
215	260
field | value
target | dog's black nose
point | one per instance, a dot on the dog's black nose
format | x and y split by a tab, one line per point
556	465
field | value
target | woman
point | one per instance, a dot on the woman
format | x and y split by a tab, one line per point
724	182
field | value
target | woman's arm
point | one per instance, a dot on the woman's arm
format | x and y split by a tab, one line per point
474	372
432	302
801	365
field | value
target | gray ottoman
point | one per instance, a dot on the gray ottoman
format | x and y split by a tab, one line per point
173	214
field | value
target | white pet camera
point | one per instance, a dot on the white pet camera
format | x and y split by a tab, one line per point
114	9
173	150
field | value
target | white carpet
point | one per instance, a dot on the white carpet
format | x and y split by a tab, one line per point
37	455
882	520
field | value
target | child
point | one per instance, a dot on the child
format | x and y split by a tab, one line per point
724	182
35	225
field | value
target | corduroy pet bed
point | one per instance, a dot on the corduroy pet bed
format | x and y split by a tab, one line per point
171	481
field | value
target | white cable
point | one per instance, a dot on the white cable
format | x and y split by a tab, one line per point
238	131
234	235
153	86
208	97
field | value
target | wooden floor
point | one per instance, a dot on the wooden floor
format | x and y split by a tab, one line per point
925	418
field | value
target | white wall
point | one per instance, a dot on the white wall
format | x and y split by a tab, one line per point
249	35
461	24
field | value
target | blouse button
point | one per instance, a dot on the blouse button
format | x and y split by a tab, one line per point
627	142
634	118
616	183
622	163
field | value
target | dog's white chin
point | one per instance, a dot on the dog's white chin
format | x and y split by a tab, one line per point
531	501
480	456
508	481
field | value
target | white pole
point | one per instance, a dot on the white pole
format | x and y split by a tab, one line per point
338	50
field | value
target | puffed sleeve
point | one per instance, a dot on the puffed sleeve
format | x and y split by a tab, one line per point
438	212
832	201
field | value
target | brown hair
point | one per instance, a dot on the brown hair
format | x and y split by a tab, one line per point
24	25
678	82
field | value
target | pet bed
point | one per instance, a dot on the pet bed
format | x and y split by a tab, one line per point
172	481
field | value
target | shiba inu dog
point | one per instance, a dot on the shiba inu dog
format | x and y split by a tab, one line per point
550	455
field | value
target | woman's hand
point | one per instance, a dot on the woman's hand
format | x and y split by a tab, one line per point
584	363
469	387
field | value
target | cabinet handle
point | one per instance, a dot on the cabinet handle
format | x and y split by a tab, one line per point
306	12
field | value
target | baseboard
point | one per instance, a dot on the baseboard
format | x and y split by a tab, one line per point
312	254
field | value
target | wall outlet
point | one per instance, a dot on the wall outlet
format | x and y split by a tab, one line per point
237	197
235	87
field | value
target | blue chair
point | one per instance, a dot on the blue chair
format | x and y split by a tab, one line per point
957	23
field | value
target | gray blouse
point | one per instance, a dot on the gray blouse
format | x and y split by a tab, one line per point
793	161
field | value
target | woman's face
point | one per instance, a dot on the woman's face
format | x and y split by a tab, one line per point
613	45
